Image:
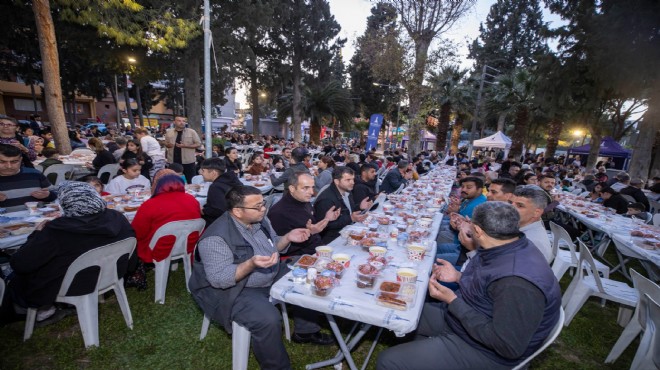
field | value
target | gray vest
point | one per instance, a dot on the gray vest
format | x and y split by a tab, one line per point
215	302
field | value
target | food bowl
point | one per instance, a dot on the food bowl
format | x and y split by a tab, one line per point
324	251
342	258
377	251
406	275
322	286
357	235
416	252
425	222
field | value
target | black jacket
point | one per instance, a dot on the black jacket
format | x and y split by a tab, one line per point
618	203
392	181
289	214
216	204
331	197
40	264
639	196
363	190
102	158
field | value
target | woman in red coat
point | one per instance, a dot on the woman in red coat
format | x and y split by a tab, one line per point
169	202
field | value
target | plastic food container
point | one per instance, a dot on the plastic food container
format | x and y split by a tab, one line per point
406	275
306	261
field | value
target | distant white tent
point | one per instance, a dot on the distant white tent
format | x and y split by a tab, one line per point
495	141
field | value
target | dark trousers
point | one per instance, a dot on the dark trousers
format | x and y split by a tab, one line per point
436	346
254	311
189	171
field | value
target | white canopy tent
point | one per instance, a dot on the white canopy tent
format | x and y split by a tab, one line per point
495	141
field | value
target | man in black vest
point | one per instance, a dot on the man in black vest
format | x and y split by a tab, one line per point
235	265
507	303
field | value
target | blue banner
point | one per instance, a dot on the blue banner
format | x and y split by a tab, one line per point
374	130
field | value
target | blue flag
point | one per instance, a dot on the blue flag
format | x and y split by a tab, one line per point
374	129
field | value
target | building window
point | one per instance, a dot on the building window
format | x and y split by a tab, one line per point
26	105
79	108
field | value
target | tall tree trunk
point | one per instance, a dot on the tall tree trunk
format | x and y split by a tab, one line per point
594	149
501	120
314	131
415	95
296	119
50	67
443	127
254	98
456	133
115	99
519	132
74	111
127	103
556	125
640	164
192	86
138	100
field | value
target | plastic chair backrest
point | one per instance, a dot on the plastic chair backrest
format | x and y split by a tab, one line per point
585	256
646	288
106	258
2	290
39	168
111	169
180	230
656	219
60	170
324	188
655	206
547	342
629	198
400	189
559	233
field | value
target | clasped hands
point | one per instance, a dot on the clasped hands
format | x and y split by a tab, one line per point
444	272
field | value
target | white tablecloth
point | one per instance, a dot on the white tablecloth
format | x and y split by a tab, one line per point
353	303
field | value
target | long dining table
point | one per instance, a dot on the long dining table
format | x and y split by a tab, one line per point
631	238
418	211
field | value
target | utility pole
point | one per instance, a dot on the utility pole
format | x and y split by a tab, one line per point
473	130
207	78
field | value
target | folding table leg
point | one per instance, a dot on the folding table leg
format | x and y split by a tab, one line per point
346	348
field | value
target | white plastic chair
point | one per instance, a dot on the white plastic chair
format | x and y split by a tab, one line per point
628	198
548	341
656	219
240	338
648	355
180	230
646	288
2	291
39	168
62	171
400	189
105	258
111	169
655	206
591	284
565	259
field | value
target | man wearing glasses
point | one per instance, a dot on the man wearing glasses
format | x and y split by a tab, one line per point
8	127
236	262
19	184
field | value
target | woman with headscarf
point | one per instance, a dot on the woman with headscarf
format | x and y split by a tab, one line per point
169	202
41	263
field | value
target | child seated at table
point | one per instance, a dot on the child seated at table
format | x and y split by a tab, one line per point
178	168
129	180
52	157
97	184
638	211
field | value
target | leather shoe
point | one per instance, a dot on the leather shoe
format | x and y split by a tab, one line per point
317	338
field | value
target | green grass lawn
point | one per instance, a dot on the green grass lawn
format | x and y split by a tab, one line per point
167	337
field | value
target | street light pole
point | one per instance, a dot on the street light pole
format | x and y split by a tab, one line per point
207	79
120	122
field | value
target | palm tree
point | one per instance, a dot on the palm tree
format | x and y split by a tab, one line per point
515	91
443	86
318	102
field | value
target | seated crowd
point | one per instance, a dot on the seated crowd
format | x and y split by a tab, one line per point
492	262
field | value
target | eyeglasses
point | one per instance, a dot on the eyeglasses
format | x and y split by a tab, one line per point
4	124
257	207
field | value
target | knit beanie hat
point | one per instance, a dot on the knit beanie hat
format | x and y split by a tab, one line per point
79	199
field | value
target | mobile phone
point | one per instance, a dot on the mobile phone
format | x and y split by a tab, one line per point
373	208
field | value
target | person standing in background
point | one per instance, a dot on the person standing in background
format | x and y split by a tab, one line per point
181	143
